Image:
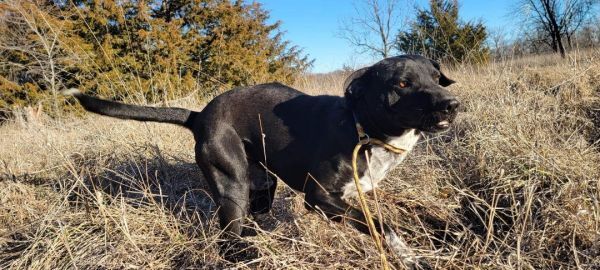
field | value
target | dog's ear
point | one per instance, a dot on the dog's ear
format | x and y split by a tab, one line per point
444	81
353	84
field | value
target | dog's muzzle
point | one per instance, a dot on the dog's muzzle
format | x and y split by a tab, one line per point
442	116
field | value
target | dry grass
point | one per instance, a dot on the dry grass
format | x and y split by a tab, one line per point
514	185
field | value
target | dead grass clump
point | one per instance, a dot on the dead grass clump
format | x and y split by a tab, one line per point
99	194
323	84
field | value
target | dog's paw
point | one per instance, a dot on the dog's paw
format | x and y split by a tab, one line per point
238	250
70	92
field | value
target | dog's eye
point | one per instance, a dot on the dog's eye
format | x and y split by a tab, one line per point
403	84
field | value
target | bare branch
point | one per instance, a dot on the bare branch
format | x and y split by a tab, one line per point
557	20
369	31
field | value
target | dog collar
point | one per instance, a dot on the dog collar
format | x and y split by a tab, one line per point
363	138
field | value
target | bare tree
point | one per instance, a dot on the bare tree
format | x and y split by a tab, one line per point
33	36
497	39
557	19
577	15
372	28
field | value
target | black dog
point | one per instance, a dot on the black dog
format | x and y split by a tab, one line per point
308	140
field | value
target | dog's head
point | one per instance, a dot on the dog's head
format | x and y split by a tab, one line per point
401	93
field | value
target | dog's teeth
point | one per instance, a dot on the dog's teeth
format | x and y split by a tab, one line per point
443	124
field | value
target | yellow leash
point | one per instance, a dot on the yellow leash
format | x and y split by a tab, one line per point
364	140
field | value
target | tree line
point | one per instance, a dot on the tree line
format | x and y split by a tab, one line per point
157	50
437	30
151	51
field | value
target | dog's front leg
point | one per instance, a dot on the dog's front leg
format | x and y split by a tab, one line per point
336	209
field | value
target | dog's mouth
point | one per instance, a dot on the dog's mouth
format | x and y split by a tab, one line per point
437	122
439	127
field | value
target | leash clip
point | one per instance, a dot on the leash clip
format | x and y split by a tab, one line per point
364	139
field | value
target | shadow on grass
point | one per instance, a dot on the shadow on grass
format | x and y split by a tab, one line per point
145	179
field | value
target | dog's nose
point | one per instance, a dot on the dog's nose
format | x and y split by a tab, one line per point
449	105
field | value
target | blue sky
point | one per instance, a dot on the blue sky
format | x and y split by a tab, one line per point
313	25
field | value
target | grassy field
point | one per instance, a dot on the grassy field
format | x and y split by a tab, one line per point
513	185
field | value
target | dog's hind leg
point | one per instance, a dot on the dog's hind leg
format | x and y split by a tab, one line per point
263	188
262	200
223	162
227	178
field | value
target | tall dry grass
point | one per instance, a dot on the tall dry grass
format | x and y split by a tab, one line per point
513	185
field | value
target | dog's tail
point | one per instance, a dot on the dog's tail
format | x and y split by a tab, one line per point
178	116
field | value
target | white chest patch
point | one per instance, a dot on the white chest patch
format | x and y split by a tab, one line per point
381	162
